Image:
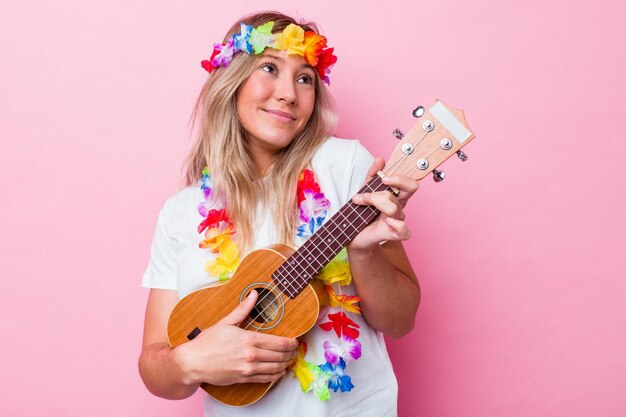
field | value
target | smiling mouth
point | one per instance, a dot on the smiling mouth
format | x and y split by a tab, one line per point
281	116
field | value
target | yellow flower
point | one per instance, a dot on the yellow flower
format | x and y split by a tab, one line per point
291	40
302	371
226	263
337	271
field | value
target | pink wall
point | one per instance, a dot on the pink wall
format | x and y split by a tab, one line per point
520	252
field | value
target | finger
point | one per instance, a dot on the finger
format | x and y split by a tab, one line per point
265	367
399	227
401	182
386	203
377	165
271	342
405	186
265	355
260	378
240	312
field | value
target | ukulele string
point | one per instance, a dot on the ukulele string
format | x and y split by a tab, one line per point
414	167
390	170
275	287
396	164
431	152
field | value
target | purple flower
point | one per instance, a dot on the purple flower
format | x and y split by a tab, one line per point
314	205
346	349
223	58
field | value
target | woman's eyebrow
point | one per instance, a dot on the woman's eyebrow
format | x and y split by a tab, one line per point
274	57
278	58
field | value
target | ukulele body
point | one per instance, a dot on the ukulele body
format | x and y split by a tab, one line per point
276	313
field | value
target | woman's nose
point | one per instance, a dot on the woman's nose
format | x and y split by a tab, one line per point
285	90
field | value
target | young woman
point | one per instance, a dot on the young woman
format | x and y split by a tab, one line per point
265	169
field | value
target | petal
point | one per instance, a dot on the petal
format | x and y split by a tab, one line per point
320	384
326	61
342	325
302	371
347	302
313	45
261	37
338	270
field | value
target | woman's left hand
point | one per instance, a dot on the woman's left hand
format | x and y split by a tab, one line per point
390	225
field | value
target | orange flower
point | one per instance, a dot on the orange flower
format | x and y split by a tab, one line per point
348	302
313	45
215	238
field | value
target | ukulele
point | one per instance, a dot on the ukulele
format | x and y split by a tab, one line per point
289	299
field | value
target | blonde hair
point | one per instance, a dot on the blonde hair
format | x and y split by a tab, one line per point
220	144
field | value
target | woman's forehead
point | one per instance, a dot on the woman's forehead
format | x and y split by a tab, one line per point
283	56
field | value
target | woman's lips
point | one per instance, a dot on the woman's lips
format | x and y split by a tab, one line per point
281	115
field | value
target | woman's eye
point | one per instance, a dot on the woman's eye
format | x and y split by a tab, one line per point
269	67
306	79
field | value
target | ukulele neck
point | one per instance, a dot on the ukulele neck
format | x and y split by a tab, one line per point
306	263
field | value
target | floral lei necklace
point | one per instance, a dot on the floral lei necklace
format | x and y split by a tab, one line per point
312	211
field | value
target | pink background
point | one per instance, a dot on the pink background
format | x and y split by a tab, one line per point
520	251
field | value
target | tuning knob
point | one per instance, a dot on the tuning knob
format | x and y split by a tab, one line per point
398	134
462	156
419	111
438	176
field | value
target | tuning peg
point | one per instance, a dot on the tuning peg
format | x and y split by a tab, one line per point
418	112
398	134
438	176
462	156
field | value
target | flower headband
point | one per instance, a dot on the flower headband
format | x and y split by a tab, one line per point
293	39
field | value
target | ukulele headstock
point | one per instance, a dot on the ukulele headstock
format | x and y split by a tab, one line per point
439	133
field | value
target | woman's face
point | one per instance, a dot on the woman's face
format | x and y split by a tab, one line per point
275	103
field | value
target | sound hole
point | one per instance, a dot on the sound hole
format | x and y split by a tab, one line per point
266	307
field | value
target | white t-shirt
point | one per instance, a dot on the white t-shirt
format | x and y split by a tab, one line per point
177	263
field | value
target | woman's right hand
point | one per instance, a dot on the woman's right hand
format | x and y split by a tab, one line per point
225	354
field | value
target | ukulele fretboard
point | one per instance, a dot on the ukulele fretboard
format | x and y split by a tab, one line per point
304	265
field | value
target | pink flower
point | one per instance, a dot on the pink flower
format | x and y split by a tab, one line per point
347	349
313	206
225	55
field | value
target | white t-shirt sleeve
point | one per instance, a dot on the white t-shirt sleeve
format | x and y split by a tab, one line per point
361	162
162	269
341	165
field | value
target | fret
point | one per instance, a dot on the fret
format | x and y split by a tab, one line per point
285	285
311	257
306	263
327	242
343	222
